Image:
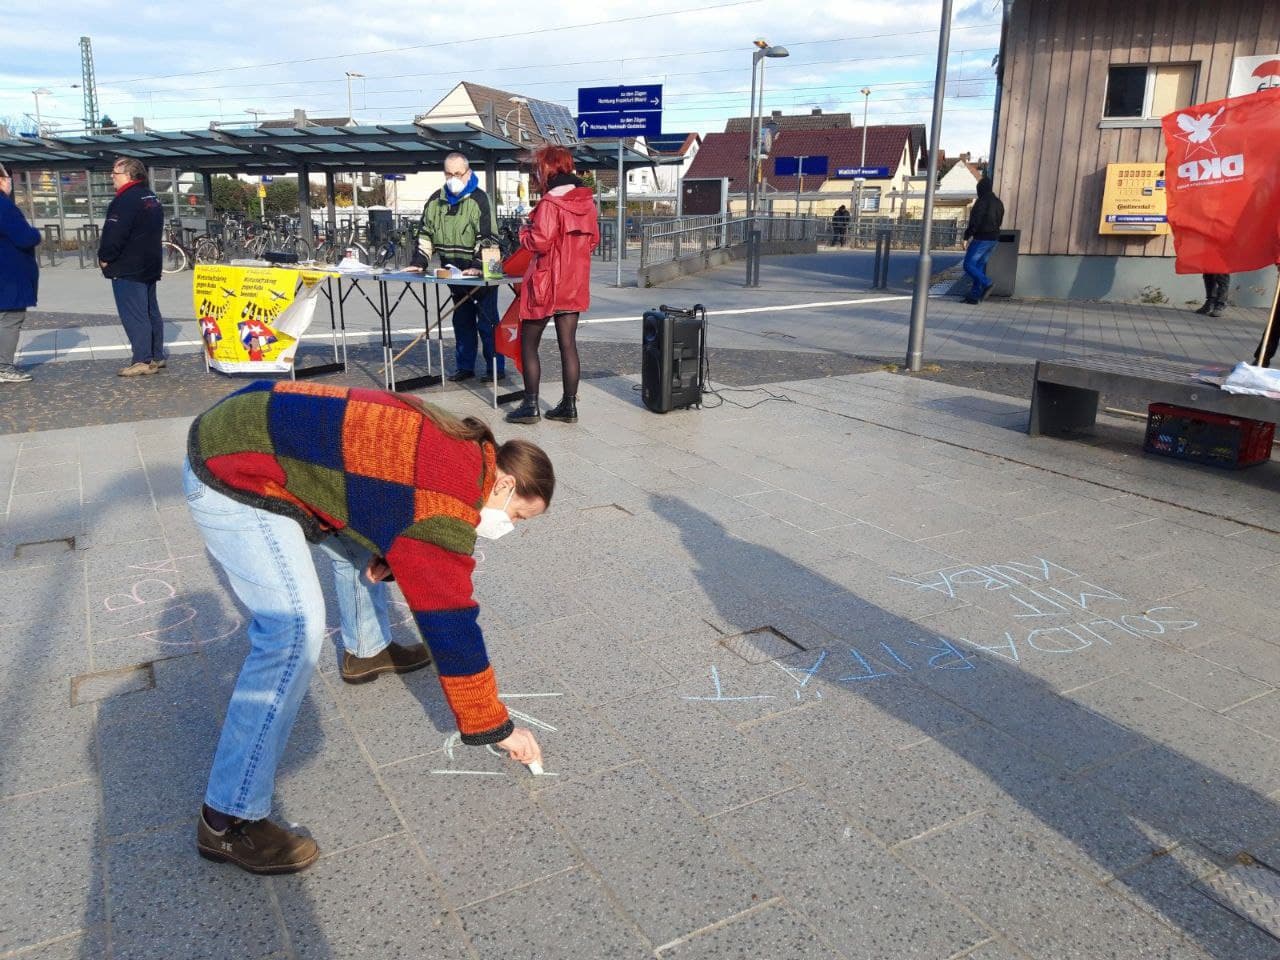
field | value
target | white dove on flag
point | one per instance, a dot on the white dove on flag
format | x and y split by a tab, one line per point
1199	129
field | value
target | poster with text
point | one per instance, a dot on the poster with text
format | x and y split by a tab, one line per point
251	318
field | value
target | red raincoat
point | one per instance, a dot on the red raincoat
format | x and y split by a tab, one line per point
561	235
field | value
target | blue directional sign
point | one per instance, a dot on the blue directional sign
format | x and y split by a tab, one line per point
624	111
866	173
799	166
393	176
636	98
615	125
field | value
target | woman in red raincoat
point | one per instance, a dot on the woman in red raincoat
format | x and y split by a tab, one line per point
561	234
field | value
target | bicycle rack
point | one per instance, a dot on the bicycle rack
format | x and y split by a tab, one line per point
87	238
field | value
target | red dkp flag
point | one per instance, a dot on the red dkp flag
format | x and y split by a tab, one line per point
1223	183
507	337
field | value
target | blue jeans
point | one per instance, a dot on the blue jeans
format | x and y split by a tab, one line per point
975	265
140	313
479	315
267	561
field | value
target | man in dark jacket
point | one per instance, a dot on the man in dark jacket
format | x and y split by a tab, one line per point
129	254
983	233
456	221
19	275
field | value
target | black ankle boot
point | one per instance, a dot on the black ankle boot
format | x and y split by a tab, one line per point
565	411
527	412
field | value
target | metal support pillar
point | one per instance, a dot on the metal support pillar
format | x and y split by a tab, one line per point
924	269
31	197
331	200
173	182
208	194
621	218
304	206
88	190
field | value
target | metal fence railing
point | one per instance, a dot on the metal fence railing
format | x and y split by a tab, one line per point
674	239
947	234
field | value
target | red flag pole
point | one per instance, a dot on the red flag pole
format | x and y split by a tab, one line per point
1266	336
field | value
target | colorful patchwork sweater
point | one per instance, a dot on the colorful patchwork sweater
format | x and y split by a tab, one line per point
363	464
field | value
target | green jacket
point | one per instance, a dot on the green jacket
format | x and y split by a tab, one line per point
455	231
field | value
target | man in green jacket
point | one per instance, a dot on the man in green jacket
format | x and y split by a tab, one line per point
456	221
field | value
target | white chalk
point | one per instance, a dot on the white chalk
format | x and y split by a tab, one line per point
535	768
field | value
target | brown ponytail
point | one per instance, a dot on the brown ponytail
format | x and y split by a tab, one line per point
525	462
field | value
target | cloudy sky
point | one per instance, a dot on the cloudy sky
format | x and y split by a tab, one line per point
223	59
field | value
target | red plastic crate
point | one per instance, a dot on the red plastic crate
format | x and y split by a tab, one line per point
1210	438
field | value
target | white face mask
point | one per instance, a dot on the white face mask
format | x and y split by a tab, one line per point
456	184
495	523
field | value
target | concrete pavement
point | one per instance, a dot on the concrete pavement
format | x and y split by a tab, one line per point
868	673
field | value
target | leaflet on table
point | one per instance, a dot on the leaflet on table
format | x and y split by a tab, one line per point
251	318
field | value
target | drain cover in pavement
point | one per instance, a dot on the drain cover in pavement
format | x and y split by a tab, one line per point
44	548
1249	890
761	645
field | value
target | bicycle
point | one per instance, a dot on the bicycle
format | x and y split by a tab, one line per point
175	256
334	248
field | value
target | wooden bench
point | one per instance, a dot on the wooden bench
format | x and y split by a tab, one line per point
1064	398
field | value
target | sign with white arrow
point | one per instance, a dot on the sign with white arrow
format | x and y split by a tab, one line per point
624	111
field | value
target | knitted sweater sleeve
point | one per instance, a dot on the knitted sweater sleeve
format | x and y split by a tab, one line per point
437	584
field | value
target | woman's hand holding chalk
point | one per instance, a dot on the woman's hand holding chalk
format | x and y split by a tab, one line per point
535	768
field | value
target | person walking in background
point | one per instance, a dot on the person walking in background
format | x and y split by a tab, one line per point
840	225
457	220
388	487
1216	286
561	234
19	277
129	254
983	233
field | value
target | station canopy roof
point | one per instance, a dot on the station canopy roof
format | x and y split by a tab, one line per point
384	148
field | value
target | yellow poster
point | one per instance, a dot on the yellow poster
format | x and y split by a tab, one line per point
1133	200
251	318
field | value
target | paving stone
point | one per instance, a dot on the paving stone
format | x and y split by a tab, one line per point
51	882
1014	872
853	891
44	742
1253	657
342	906
1189	801
324	761
180	739
87	945
772	931
1165	888
1261	714
567	914
708	763
48	477
482	834
399	716
668	871
1216	742
161	893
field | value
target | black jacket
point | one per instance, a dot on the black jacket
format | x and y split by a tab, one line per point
987	215
131	235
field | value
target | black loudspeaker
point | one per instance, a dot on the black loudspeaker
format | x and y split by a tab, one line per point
673	354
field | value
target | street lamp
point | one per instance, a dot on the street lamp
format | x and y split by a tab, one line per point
38	93
518	101
763	50
861	179
350	75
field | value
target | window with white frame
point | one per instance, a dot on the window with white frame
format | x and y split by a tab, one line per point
1138	92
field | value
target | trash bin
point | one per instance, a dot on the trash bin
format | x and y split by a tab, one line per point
1002	268
381	223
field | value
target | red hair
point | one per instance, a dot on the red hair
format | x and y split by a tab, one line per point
549	160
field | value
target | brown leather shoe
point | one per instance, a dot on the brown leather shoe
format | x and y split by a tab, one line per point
142	369
258	846
392	657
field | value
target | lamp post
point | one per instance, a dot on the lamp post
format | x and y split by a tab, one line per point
350	75
519	135
762	50
862	165
57	174
256	114
920	295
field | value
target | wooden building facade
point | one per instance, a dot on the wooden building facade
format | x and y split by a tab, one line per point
1084	84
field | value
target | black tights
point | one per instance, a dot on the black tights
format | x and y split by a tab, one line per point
566	337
